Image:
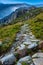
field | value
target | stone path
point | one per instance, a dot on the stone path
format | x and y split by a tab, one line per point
25	37
25	40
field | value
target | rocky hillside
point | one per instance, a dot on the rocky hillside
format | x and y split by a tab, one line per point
22	12
8	19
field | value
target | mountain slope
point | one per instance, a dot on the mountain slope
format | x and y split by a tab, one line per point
33	17
36	25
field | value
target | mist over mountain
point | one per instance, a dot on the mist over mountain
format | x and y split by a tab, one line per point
6	9
3	6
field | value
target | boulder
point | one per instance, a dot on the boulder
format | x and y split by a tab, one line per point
38	58
33	46
21	50
8	59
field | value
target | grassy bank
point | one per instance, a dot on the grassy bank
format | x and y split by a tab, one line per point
36	26
8	34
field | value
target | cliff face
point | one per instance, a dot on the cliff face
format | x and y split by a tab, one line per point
8	19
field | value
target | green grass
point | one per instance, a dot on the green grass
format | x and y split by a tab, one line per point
36	26
24	63
8	34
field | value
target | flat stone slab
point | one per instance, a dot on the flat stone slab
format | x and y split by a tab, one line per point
38	61
38	55
34	45
38	58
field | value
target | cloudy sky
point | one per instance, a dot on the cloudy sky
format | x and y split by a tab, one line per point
24	1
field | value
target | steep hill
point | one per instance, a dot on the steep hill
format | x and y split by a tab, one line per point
36	26
33	17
